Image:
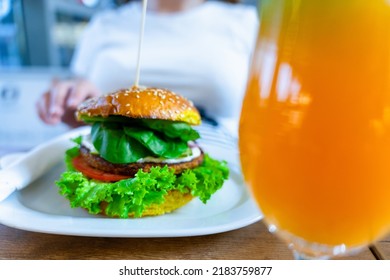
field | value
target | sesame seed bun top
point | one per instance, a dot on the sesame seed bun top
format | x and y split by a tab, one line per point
139	102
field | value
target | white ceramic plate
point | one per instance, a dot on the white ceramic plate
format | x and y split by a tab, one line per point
40	208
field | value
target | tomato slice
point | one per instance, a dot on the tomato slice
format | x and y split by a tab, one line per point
93	173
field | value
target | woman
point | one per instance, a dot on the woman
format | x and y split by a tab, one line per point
200	49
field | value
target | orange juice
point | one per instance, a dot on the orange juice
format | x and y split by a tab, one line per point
315	124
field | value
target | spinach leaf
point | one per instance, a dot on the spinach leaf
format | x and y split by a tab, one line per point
170	129
170	148
173	129
115	146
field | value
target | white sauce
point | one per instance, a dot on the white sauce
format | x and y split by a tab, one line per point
195	153
86	142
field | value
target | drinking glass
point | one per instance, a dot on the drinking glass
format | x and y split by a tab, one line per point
315	123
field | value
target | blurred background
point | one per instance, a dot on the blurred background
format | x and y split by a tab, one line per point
37	41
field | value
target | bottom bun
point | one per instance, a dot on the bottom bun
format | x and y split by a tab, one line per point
173	200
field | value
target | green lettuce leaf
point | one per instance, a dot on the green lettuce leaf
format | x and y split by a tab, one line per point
205	179
135	194
72	153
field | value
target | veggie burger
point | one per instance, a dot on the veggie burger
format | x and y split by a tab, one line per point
141	157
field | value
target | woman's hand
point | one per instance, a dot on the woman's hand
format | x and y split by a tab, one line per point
60	102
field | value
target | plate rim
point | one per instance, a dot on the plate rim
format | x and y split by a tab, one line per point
74	230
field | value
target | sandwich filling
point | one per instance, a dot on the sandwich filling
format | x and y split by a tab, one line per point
126	165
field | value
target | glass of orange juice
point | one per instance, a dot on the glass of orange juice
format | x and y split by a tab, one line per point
315	123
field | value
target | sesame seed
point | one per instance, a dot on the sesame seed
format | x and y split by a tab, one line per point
126	94
127	105
128	112
137	96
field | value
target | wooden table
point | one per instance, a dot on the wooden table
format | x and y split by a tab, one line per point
382	249
251	243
